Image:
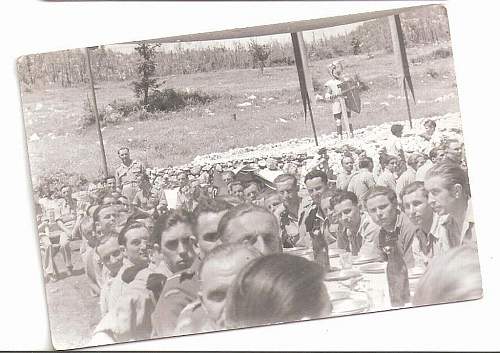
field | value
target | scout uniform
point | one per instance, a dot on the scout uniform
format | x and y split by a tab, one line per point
126	178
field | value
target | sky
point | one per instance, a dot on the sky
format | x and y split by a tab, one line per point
308	36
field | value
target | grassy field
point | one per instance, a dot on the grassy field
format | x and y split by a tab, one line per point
175	138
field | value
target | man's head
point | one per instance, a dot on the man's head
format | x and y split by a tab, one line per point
397	130
236	189
415	204
110	183
366	163
227	176
382	206
272	201
448	187
108	217
253	225
437	154
135	243
454	150
414	160
251	191
182	178
217	272
316	183
389	162
345	205
66	192
347	163
173	235
207	216
124	154
430	127
110	254
326	205
286	185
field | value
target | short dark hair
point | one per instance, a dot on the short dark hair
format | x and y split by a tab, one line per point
430	122
386	158
170	219
284	177
365	162
341	196
209	205
378	190
133	224
434	152
396	128
316	174
410	188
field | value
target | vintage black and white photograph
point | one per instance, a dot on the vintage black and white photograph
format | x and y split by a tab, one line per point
247	177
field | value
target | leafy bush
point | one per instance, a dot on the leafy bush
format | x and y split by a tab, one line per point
87	119
432	73
317	86
124	107
168	99
442	53
361	84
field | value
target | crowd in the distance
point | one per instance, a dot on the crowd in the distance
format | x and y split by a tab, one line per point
211	256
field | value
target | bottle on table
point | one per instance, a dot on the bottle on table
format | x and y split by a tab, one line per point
319	243
397	277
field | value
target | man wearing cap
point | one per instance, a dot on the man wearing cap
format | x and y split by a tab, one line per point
127	174
334	93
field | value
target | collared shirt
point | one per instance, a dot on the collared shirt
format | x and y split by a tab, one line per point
468	234
179	290
443	235
343	180
405	179
386	178
129	174
363	241
361	182
404	235
143	199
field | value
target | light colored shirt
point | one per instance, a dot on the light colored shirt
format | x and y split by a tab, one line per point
343	180
333	89
394	146
361	182
386	178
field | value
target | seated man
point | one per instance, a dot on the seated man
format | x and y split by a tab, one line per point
217	272
288	212
363	179
236	189
253	225
111	256
395	227
415	199
357	232
174	239
207	216
251	191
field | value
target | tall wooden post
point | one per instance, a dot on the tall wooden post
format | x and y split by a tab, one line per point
305	79
398	47
96	113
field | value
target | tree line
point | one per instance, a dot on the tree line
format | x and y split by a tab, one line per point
67	68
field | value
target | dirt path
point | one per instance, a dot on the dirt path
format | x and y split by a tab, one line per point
73	312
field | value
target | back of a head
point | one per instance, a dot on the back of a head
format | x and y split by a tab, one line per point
209	205
365	162
452	277
275	288
396	129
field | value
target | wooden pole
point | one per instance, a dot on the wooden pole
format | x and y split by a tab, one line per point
401	59
305	80
96	113
407	103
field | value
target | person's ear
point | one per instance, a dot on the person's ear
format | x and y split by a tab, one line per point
97	227
457	190
122	249
200	296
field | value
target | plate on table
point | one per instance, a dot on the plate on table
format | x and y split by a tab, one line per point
374	267
416	272
364	259
342	275
334	252
349	306
299	251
